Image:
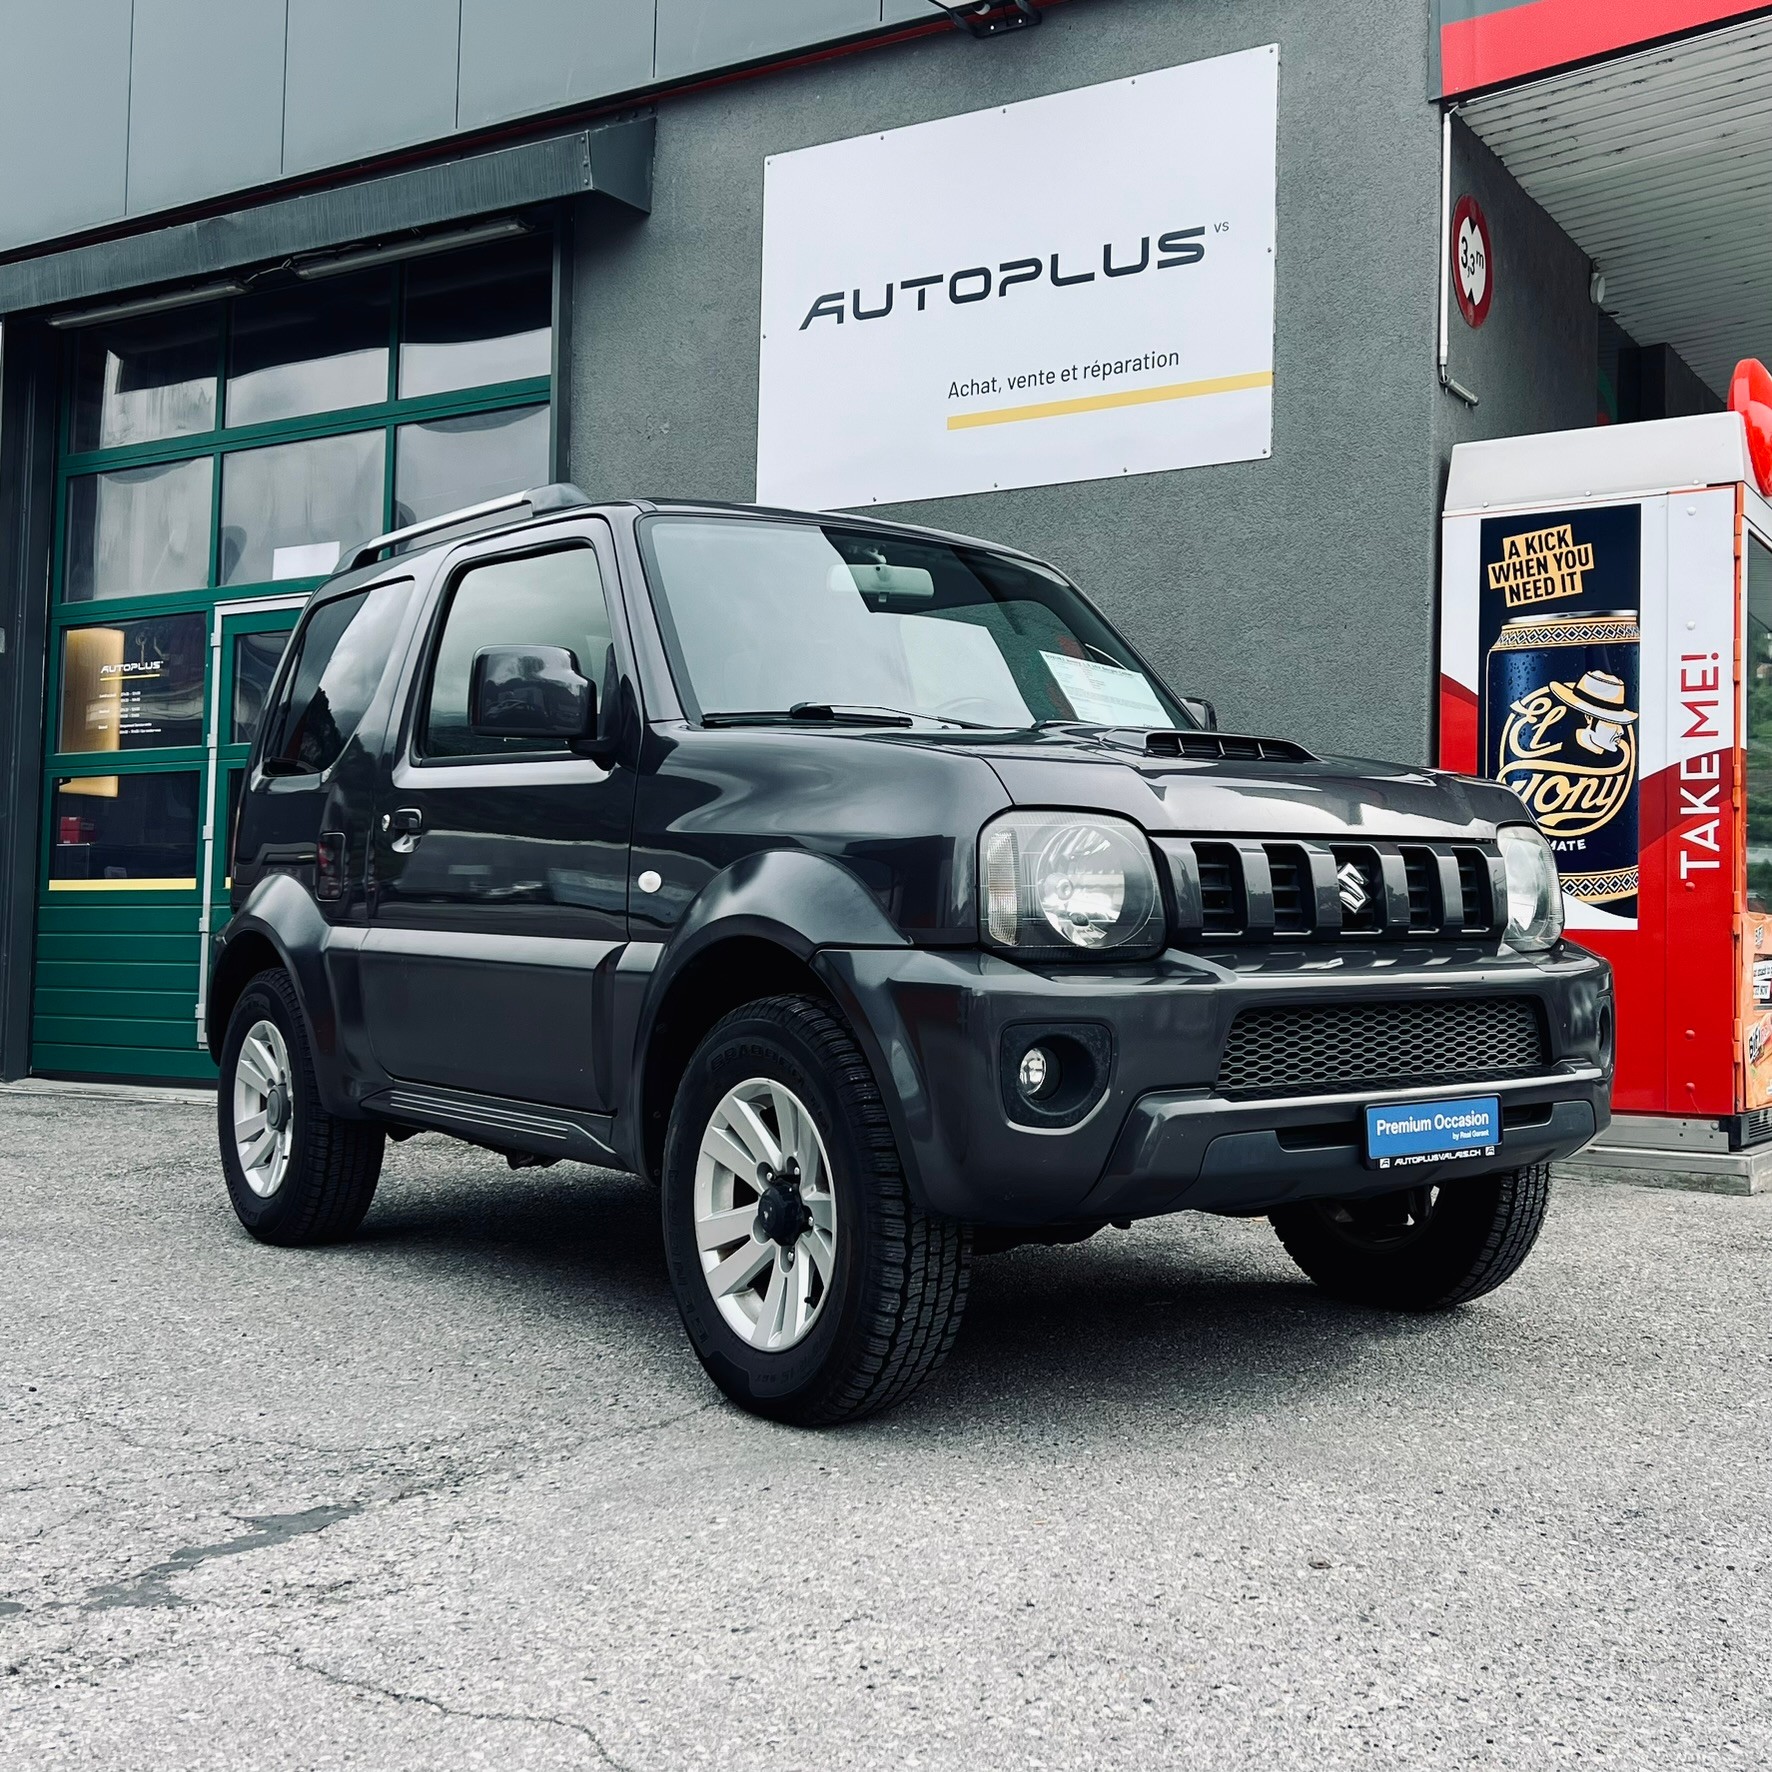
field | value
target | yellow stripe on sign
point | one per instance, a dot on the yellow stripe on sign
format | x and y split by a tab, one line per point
122	885
1175	390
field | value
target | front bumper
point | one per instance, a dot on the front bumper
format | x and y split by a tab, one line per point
1162	1138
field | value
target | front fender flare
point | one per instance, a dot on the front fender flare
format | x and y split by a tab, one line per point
794	900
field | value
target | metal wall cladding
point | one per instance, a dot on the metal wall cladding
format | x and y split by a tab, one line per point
519	57
364	79
698	36
206	90
115	108
64	116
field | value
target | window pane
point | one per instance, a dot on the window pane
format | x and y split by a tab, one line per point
236	779
136	828
451	462
342	651
288	511
760	616
141	379
545	600
256	657
133	686
477	317
319	348
137	531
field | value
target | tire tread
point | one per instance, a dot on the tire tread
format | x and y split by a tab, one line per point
1483	1247
341	1165
911	1318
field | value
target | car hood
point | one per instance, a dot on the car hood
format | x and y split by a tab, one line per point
1291	794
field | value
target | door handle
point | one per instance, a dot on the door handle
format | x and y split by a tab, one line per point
407	826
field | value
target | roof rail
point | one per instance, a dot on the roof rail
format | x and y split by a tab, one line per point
561	496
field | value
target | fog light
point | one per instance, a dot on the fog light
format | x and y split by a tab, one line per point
1037	1074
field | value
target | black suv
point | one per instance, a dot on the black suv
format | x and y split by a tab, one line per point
864	888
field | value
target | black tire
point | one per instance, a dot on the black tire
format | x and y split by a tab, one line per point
333	1164
893	1306
1421	1249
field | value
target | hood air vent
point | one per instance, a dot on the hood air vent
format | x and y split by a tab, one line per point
1225	747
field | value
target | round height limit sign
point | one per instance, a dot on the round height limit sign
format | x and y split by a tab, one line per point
1473	263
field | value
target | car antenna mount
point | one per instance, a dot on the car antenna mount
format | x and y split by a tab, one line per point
991	18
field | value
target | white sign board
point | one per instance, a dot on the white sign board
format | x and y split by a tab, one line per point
1069	288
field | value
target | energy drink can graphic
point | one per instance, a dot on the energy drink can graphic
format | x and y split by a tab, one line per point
1561	706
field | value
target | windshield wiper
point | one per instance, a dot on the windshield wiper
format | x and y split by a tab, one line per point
820	713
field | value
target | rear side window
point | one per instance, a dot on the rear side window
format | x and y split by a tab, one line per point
551	599
339	654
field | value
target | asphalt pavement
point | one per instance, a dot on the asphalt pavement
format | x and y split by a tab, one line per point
457	1495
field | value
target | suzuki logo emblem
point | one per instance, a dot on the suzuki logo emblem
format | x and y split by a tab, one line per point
1355	894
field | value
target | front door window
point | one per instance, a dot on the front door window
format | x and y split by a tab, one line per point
499	865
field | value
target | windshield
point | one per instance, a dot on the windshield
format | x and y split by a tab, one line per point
770	618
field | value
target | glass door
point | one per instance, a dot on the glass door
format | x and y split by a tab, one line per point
247	647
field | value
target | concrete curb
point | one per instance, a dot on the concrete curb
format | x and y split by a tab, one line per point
136	1092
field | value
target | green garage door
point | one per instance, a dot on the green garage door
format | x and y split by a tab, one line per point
215	459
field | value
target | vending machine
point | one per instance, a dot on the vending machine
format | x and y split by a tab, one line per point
1606	651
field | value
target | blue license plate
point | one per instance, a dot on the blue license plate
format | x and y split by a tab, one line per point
1433	1131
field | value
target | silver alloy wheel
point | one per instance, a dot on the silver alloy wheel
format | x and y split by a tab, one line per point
765	1214
264	1108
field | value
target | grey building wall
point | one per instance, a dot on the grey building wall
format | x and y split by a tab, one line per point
1298	591
1534	364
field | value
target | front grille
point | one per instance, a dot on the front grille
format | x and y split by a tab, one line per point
1335	1048
1257	889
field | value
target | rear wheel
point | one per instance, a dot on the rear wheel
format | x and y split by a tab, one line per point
1420	1249
812	1288
296	1174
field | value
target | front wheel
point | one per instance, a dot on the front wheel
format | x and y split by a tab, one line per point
296	1174
1420	1249
812	1288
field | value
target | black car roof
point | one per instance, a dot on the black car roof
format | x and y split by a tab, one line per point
557	508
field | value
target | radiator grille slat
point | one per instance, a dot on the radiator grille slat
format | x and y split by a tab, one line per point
1312	1050
1221	894
1473	881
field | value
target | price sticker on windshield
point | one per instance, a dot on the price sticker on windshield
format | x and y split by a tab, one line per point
1104	694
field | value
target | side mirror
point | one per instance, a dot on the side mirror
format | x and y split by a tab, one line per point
1202	711
530	692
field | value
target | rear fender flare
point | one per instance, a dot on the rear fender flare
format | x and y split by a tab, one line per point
281	912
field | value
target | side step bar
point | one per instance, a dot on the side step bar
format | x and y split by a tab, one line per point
501	1125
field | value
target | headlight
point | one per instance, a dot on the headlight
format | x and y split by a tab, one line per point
1534	899
1063	881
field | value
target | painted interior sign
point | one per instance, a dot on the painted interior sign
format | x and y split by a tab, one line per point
1489	42
1069	288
